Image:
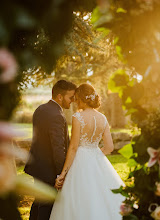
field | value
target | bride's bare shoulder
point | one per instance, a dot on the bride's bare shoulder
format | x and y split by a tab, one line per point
100	114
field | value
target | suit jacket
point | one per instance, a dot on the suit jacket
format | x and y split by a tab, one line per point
49	143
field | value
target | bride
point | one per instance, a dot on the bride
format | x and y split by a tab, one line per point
87	176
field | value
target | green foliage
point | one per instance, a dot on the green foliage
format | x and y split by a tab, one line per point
119	53
132	163
121	10
100	17
33	32
118	81
34	35
131	217
10	97
120	165
134	25
142	179
24	212
89	55
126	151
130	91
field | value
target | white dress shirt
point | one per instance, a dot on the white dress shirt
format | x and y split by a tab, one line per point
57	104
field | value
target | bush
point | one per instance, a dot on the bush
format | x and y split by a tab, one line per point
22	117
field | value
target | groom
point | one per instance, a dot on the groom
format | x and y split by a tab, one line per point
50	142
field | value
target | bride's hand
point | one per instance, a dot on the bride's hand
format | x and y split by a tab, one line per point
59	182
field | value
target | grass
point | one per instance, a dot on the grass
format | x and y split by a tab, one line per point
24	212
118	162
120	165
27	130
26	201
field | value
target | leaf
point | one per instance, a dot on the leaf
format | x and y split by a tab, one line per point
119	53
105	32
126	151
98	19
128	100
121	10
130	217
103	20
132	82
112	85
95	15
130	111
115	41
132	163
123	193
117	190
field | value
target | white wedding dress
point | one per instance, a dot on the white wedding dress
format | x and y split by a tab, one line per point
86	193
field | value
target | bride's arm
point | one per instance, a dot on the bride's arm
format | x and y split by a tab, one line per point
75	136
107	139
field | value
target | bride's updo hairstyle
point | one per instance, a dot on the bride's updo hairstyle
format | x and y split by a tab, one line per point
88	95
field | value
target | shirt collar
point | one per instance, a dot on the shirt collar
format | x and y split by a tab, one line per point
57	104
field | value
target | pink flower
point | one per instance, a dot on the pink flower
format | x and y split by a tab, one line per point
8	65
154	156
125	209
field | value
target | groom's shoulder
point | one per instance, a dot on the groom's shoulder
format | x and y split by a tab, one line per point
48	108
41	109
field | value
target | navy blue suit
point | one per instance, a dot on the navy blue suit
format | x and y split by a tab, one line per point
48	151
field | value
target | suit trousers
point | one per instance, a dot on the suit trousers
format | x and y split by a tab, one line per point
40	211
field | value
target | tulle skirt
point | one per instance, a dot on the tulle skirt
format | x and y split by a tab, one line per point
86	193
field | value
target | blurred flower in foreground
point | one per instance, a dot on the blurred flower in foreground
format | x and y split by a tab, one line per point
9	181
156	213
8	132
7	174
7	155
8	152
154	156
125	209
8	65
157	192
38	189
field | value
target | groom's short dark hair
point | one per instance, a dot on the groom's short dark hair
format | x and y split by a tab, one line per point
61	87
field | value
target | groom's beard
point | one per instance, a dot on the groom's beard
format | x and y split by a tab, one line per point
65	104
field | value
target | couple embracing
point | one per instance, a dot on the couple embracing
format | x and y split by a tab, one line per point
78	169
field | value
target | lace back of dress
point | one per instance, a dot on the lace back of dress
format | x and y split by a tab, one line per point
92	127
